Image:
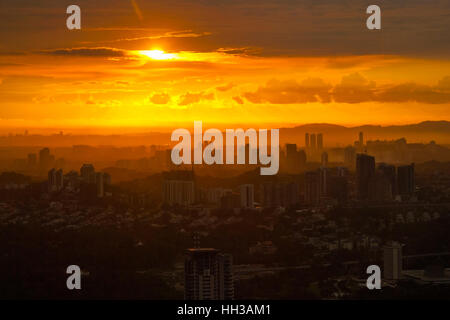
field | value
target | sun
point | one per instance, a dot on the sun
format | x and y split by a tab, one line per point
158	55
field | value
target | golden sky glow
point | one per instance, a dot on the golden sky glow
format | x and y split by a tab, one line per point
166	68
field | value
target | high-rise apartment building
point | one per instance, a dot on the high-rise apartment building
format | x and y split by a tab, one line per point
55	180
405	179
179	187
87	173
365	169
208	275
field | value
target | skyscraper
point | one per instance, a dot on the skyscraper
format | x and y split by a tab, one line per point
365	169
306	141
291	150
301	158
312	141
59	179
324	174
100	183
87	173
390	174
405	179
55	180
319	141
295	159
208	275
291	156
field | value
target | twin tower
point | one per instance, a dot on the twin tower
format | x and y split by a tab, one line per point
313	141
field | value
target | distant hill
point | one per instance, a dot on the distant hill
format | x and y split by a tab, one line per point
422	132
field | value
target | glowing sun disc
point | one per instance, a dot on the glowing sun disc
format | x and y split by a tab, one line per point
158	54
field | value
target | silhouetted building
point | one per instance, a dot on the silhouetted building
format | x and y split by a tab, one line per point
350	156
269	195
380	188
72	180
276	194
247	192
87	173
100	183
208	275
405	179
55	180
45	159
361	141
312	141
342	171
295	159
319	141
324	159
291	150
390	174
291	156
312	187
365	169
214	195
306	141
324	174
107	179
32	160
179	187
393	264
338	187
230	200
301	158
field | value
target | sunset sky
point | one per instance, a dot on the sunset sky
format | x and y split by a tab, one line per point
139	63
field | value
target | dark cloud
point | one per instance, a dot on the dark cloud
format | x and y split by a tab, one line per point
238	100
246	51
160	98
290	91
444	84
225	87
190	98
353	88
167	35
87	52
12	53
279	27
414	92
